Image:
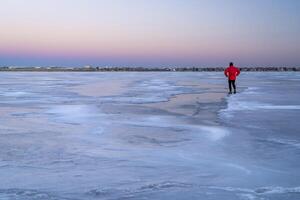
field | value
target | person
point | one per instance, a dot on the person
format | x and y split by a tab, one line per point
231	72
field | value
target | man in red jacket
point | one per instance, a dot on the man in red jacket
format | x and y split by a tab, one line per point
231	72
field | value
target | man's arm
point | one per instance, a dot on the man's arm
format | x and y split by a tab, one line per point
226	72
238	71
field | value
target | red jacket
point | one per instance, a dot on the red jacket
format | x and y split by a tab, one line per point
232	72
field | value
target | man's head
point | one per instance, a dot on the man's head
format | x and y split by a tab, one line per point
231	64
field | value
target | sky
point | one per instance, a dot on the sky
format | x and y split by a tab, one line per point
150	33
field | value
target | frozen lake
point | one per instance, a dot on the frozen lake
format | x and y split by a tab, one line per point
86	136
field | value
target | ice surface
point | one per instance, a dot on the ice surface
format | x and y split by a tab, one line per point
149	136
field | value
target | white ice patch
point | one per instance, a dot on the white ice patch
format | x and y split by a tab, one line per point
214	133
277	190
280	107
252	106
16	94
240	102
160	85
73	113
258	193
248	196
292	143
251	90
238	167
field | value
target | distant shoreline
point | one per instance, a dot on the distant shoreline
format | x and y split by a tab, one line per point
142	69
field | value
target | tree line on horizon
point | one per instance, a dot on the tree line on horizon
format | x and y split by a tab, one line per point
170	69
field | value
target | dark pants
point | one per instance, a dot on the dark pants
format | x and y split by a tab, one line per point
231	84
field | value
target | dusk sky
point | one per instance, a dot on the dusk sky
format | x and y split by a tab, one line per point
150	32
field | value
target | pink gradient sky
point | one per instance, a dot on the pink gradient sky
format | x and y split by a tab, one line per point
150	33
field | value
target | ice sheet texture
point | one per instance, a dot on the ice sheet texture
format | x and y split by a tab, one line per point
62	138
